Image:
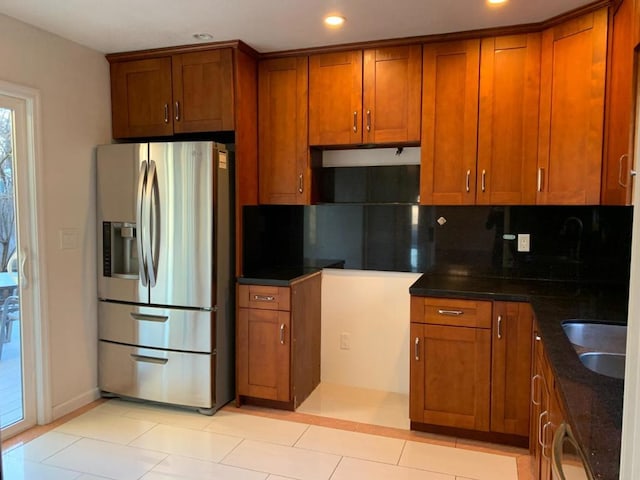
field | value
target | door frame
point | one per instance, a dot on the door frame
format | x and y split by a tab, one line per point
28	185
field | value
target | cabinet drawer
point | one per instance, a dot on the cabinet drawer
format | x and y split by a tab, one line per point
264	297
451	311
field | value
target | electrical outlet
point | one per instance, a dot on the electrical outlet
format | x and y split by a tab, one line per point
524	242
345	341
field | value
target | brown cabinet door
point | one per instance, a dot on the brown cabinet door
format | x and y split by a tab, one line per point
572	111
283	153
449	123
392	93
202	91
456	377
416	372
335	98
263	344
508	120
541	420
618	158
141	98
511	368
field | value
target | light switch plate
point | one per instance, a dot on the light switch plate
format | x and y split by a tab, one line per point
68	238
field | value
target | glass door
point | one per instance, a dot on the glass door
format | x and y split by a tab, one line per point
17	385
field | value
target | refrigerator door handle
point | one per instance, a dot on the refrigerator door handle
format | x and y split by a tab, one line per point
152	241
142	261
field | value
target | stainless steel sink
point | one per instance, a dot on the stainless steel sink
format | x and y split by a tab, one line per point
594	336
609	364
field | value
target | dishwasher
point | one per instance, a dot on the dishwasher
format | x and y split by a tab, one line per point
567	460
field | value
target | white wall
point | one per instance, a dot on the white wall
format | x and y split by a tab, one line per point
373	307
73	82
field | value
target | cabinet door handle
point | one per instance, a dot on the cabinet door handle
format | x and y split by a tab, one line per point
484	180
368	120
416	349
177	112
544	440
533	389
355	121
166	113
540	179
499	327
282	334
301	183
540	429
538	338
263	298
468	181
451	313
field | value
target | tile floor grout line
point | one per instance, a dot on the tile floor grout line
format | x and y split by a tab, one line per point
404	445
300	436
335	469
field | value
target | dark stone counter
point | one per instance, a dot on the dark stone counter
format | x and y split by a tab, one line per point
285	276
593	402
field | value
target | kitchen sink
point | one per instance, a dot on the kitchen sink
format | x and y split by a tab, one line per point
596	336
609	364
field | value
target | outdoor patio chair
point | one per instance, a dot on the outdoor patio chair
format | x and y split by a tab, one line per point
10	312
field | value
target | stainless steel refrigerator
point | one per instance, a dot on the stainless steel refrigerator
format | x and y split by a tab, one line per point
165	256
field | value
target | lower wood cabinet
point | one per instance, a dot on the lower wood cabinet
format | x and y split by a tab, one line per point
278	343
546	412
471	367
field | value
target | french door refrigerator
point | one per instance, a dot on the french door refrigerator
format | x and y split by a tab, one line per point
165	256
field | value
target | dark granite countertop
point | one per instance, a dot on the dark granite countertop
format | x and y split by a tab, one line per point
593	402
286	275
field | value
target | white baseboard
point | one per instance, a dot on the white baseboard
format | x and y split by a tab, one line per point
75	403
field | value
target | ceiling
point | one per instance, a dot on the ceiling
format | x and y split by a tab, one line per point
267	25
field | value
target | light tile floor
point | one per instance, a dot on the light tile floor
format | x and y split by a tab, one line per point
121	440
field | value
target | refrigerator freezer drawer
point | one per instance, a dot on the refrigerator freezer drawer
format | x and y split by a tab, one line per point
166	328
157	375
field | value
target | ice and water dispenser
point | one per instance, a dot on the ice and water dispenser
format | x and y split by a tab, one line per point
119	252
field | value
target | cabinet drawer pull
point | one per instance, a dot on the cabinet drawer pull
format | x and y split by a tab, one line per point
368	120
416	349
499	327
177	112
282	334
263	298
301	183
468	181
484	180
451	313
355	121
147	359
149	318
533	389
166	113
540	179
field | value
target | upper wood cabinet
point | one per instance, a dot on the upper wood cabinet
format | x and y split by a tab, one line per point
618	157
141	98
283	154
356	101
572	111
449	123
190	92
508	120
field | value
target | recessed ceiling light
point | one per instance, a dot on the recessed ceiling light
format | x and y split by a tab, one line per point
496	2
203	36
334	20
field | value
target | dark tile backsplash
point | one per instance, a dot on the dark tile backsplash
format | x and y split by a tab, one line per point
567	243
